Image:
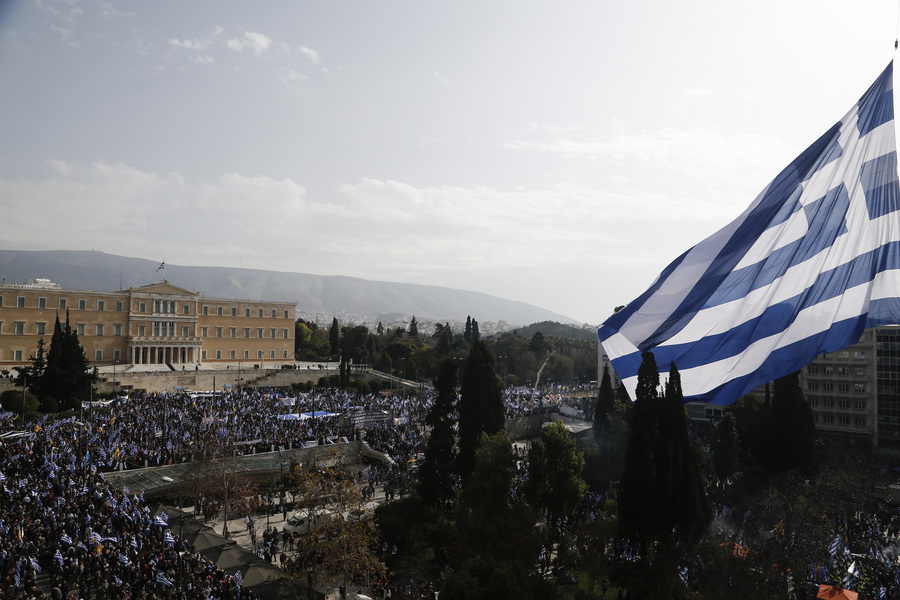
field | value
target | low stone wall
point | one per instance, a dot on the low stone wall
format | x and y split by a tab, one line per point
528	426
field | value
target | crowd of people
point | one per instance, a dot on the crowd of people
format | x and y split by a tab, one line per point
58	516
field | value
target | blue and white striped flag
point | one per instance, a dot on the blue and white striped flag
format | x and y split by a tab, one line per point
160	521
161	579
59	558
804	270
34	563
835	545
167	538
65	539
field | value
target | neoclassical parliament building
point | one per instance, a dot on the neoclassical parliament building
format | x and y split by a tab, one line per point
157	324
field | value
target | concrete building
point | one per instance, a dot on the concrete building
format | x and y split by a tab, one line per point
154	324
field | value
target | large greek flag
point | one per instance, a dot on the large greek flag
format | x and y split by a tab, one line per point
805	269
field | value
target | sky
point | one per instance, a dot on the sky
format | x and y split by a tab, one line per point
554	153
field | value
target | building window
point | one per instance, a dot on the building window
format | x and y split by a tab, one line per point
859	388
186	309
860	404
205	310
185	331
99	328
827	402
42	303
247	354
284	354
811	369
17	355
117	329
234	311
142	307
98	354
284	333
259	332
843	387
272	333
203	355
20	328
218	332
247	312
273	316
1	326
231	354
271	354
286	316
859	421
119	306
827	386
859	371
844	420
204	332
828	419
41	327
20	302
1	301
260	313
219	311
246	332
813	401
843	404
233	332
117	356
63	304
82	304
101	305
218	354
859	354
812	385
259	354
142	330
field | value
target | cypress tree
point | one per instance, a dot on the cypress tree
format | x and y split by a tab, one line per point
467	335
334	336
480	407
437	475
793	430
606	402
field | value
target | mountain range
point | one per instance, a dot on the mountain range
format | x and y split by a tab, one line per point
318	297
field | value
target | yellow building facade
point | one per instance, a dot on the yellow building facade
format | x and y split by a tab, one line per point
150	325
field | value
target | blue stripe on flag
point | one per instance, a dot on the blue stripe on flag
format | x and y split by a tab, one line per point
802	271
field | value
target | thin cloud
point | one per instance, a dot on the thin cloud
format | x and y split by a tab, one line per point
252	41
311	54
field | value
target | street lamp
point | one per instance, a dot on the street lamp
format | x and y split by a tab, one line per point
240	362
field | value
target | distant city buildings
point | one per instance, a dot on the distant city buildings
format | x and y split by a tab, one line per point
154	324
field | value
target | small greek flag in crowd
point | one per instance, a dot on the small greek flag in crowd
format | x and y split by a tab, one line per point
65	539
123	559
238	577
159	520
167	538
59	558
835	545
125	490
683	574
851	576
804	270
161	579
34	563
118	582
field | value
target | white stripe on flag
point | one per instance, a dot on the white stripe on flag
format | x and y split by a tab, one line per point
811	263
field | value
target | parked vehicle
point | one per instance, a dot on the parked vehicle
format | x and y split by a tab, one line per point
306	521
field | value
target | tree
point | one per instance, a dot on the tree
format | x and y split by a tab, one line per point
384	362
539	345
793	430
554	481
444	336
725	446
468	332
414	328
480	407
606	403
334	336
437	474
64	378
662	496
498	545
476	335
